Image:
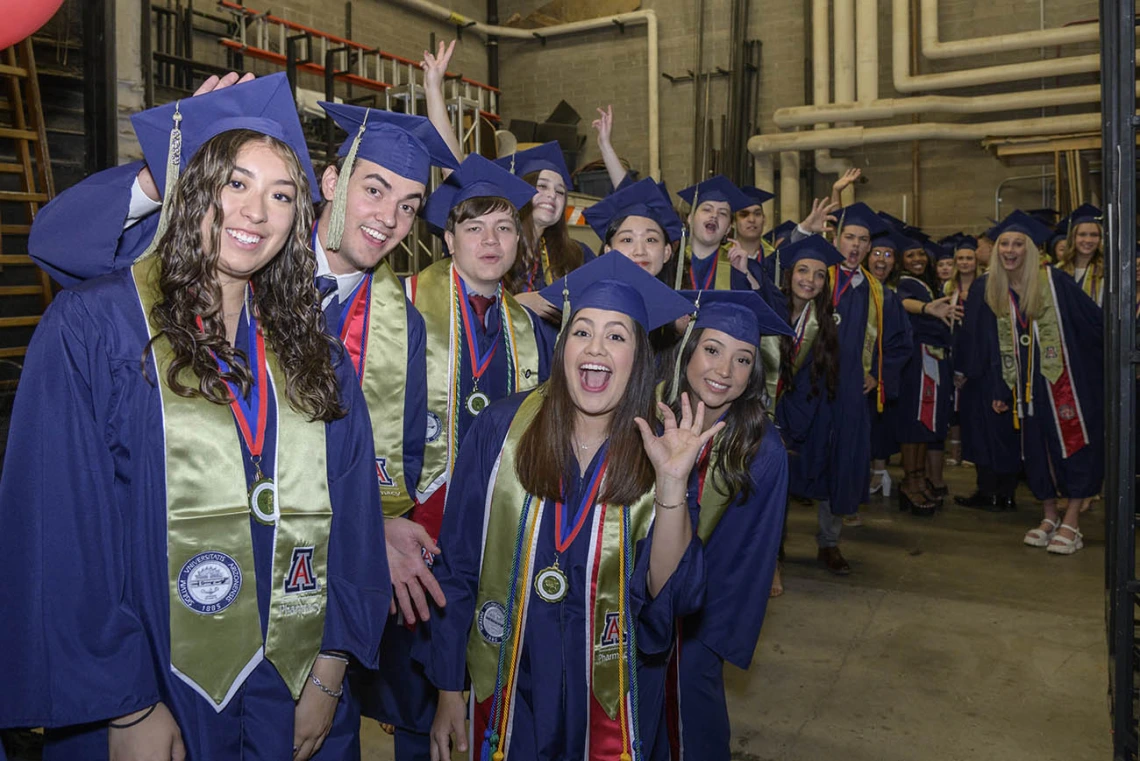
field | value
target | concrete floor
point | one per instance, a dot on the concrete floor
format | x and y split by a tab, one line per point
950	641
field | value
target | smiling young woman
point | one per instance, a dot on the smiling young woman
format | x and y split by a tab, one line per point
566	542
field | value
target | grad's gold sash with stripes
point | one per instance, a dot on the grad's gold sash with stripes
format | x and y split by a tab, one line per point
215	626
506	499
1046	333
873	334
722	281
383	382
434	294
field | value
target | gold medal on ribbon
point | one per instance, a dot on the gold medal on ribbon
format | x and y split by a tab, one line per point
263	501
551	584
477	401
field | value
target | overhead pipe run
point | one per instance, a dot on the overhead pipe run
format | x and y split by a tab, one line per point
647	17
933	47
825	163
905	82
888	108
855	137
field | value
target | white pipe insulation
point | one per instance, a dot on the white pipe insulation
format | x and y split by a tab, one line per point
933	47
855	137
888	108
906	82
821	95
867	50
647	17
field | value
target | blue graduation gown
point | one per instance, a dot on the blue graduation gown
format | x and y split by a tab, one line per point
552	704
806	422
850	455
740	561
83	518
738	280
1048	472
927	331
988	438
79	235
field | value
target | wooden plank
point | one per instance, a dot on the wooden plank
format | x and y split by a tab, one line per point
13	351
16	259
18	134
18	197
11	168
13	71
21	290
15	229
20	322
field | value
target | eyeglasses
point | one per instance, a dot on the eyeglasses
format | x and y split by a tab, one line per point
880	253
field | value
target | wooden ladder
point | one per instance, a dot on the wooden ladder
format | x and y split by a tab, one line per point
25	290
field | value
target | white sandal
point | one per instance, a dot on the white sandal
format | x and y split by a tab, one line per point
1063	545
1038	537
885	483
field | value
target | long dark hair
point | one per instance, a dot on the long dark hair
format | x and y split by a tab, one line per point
283	292
548	442
745	422
668	269
825	350
564	254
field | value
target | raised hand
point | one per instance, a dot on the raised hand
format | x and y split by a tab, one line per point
604	125
850	177
944	309
435	66
675	451
821	216
213	82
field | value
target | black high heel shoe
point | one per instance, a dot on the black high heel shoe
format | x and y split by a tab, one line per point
923	509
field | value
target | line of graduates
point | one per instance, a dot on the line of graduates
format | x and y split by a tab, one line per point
577	467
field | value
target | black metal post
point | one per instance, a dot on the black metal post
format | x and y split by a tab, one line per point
146	53
1118	123
492	46
99	76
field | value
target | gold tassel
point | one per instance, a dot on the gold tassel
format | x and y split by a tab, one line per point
685	242
173	169
674	390
340	198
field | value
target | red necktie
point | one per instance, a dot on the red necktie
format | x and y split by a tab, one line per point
481	304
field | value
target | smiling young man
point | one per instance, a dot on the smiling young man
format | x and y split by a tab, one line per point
874	343
482	345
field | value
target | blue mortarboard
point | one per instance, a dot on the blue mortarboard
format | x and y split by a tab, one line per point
950	240
263	105
716	188
757	195
1085	213
782	230
1021	222
741	314
812	247
642	199
936	251
966	241
893	221
616	284
862	215
476	177
894	240
1045	216
402	143
545	156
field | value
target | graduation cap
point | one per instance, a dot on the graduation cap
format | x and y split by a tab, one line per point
1021	222
757	195
171	134
895	240
812	247
893	221
937	251
643	198
1045	216
476	177
741	314
967	242
1085	213
545	156
616	284
402	143
717	188
862	215
782	230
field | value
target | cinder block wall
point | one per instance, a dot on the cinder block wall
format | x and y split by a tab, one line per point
958	179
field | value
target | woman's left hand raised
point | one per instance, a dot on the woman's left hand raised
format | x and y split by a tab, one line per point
675	451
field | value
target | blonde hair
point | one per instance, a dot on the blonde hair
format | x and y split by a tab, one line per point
1068	261
998	285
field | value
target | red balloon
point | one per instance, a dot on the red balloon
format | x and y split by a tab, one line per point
23	17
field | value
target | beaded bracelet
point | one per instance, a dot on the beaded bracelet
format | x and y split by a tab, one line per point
669	507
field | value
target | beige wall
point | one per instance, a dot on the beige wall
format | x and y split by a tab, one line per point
958	180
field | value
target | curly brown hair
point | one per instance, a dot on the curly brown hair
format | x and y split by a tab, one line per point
286	302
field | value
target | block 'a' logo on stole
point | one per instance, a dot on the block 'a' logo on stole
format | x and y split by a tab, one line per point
382	472
611	632
301	576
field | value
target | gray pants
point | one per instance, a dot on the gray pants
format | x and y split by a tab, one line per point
829	526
